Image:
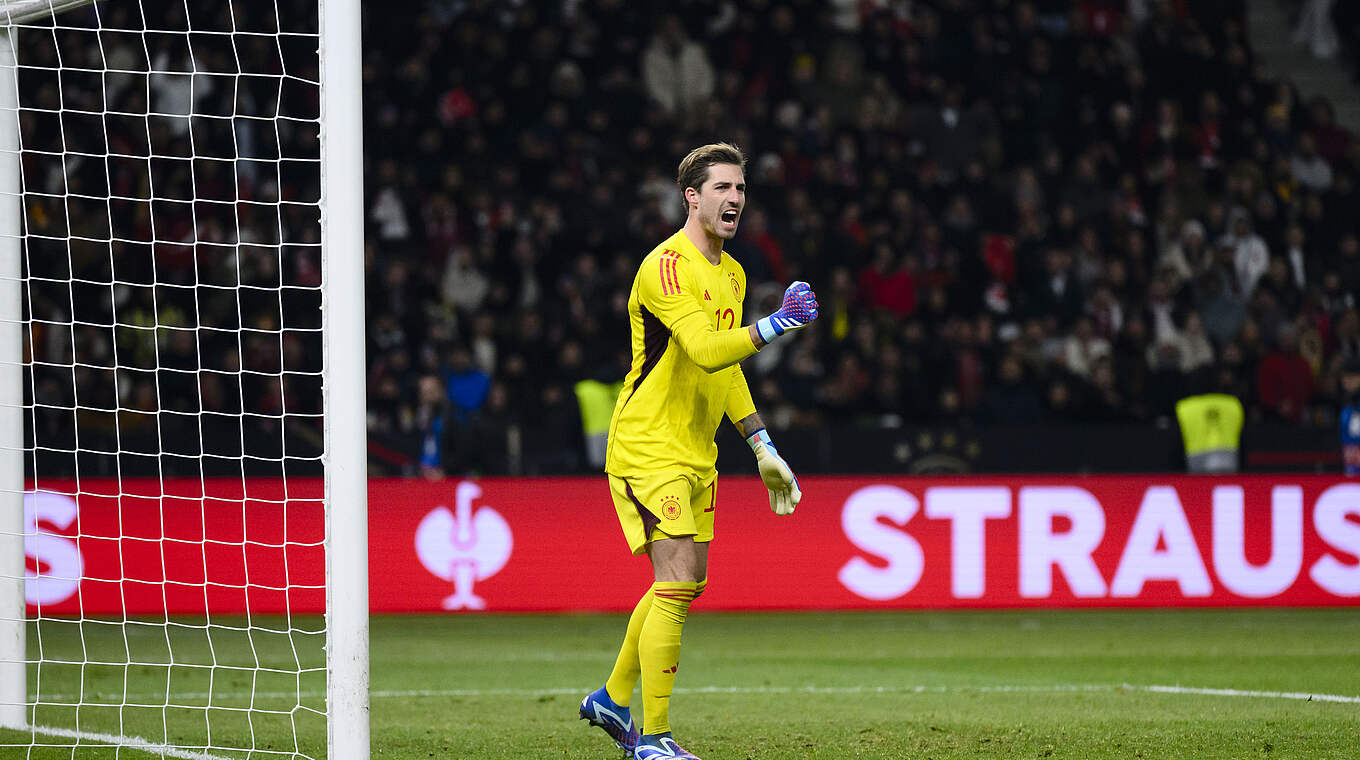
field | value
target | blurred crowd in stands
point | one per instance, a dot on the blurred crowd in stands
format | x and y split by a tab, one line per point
1012	211
172	253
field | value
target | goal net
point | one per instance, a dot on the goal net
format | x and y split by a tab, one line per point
182	564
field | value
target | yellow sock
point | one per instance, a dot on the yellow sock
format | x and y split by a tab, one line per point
625	674
626	668
659	651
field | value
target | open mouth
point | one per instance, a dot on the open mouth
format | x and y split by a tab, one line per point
729	217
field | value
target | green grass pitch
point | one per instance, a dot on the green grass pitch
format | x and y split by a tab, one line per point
1011	684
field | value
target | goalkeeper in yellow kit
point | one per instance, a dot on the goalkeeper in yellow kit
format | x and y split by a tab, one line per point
688	342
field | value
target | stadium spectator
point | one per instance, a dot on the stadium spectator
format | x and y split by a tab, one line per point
1286	381
1218	305
1250	257
1056	293
1309	167
1083	348
1187	256
388	208
887	283
1195	350
431	417
676	69
1349	264
1279	284
1010	401
466	384
1315	28
465	287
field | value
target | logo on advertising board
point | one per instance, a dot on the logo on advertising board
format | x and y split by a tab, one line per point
53	564
464	546
1058	531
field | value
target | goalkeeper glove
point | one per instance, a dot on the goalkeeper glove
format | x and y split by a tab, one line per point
798	310
779	479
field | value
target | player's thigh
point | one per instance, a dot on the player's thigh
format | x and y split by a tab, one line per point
653	507
685	558
678	559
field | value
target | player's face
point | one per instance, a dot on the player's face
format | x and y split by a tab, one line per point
721	200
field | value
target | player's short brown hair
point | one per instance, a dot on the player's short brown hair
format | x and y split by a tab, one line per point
693	170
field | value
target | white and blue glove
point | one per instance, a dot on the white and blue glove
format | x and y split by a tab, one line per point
798	310
779	479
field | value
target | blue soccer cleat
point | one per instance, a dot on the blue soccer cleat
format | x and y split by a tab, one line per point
600	710
661	747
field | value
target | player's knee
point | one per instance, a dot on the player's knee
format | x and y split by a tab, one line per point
679	572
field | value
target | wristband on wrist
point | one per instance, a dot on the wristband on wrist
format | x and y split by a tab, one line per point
766	327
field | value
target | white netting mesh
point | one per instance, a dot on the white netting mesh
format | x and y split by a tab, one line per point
172	441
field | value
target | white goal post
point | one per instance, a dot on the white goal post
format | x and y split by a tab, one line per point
13	655
203	684
342	215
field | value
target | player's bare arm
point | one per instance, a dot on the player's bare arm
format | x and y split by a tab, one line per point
750	424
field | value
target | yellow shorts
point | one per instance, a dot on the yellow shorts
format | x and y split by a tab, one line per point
666	505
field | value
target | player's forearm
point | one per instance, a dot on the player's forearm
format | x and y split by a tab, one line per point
713	349
750	424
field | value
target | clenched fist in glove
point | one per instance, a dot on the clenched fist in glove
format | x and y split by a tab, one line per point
797	311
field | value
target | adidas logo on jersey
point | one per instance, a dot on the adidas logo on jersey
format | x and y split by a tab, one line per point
706	297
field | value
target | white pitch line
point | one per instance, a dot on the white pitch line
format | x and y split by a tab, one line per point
1299	695
889	689
904	689
116	740
909	689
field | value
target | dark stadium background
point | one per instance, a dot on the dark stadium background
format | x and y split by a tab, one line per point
994	201
1032	225
928	167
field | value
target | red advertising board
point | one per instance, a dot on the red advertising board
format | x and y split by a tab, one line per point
548	544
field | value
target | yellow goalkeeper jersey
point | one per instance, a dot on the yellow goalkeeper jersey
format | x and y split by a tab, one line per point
688	339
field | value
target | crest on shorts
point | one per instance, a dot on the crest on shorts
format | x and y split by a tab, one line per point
670	508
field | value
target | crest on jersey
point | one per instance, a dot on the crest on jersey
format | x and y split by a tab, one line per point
736	286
